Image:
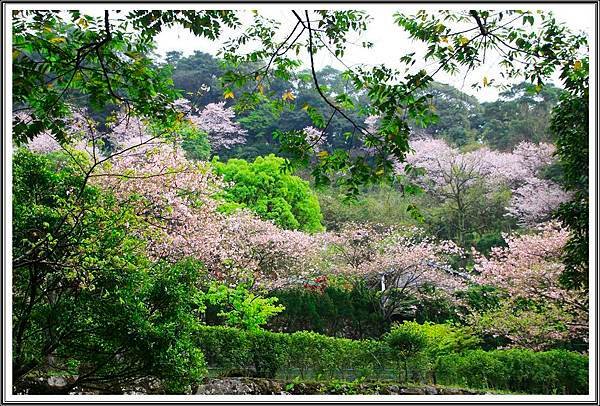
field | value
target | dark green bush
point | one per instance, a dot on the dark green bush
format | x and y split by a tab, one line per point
88	302
225	348
267	352
550	372
335	311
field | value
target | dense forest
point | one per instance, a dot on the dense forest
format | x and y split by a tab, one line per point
520	114
186	222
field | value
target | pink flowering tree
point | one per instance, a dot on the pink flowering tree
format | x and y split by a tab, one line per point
121	133
43	143
457	181
537	311
463	180
314	137
218	122
82	130
176	197
535	200
398	262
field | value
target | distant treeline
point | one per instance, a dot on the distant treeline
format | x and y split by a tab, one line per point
519	114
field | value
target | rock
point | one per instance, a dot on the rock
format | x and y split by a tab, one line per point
226	386
45	386
457	391
231	386
57	382
411	391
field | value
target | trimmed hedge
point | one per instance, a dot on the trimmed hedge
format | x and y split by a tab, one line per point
311	355
264	353
550	372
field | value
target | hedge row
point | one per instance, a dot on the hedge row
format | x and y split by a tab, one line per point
264	353
308	354
525	371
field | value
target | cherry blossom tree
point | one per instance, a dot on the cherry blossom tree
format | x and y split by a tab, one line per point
528	271
177	200
315	137
176	197
121	131
217	121
451	174
535	200
397	261
449	177
43	143
125	131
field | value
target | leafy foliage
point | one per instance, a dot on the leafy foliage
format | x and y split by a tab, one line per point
318	357
570	128
552	372
195	144
241	308
264	187
406	341
383	204
87	299
333	311
57	59
238	351
521	114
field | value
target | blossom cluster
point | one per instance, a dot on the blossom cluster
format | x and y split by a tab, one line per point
218	122
404	256
177	199
450	171
528	268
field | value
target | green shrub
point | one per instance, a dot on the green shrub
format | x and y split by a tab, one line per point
330	357
267	352
440	339
334	311
550	372
306	350
411	350
241	308
443	339
406	340
225	348
87	299
195	143
264	187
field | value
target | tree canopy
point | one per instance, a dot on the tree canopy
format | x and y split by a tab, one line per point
263	187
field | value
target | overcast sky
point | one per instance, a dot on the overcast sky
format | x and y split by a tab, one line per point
390	41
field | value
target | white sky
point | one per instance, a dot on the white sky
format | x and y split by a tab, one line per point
390	41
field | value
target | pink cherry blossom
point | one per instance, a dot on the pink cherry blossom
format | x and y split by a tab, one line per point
397	261
314	137
217	121
535	200
449	174
529	268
